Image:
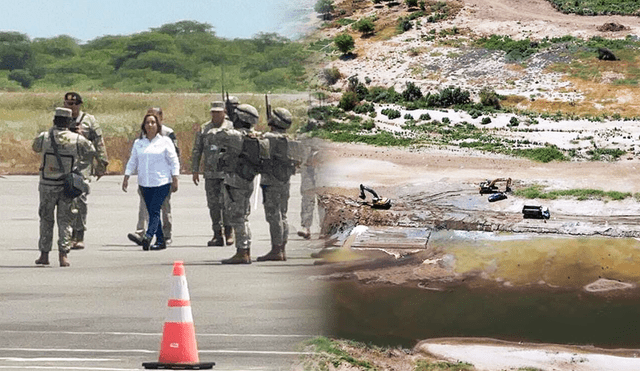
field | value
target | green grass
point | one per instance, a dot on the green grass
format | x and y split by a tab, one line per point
330	352
579	194
443	366
596	7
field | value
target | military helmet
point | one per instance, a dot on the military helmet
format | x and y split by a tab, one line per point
247	114
280	118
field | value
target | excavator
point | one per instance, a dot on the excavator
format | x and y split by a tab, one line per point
489	186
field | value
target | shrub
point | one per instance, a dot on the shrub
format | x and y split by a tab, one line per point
425	117
545	154
514	121
348	101
332	75
411	3
368	125
364	108
485	120
408	116
411	93
391	113
365	26
344	42
404	25
489	98
23	77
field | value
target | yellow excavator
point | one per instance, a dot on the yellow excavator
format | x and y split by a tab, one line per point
489	186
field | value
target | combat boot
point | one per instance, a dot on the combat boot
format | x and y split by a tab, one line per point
305	233
242	256
44	258
217	238
64	261
228	235
276	254
77	240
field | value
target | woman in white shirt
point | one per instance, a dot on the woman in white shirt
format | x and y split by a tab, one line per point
155	160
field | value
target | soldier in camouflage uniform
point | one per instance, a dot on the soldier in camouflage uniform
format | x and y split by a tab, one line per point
242	153
208	142
308	179
73	150
85	125
276	173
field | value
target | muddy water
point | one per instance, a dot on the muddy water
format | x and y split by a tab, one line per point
513	288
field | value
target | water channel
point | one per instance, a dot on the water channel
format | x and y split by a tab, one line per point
519	288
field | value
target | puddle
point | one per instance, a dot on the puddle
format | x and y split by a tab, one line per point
553	289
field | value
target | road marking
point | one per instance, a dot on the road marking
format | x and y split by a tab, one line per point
153	334
276	352
69	368
16	359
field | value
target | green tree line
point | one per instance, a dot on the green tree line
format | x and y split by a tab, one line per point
185	56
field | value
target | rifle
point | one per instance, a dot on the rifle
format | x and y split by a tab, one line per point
228	106
267	107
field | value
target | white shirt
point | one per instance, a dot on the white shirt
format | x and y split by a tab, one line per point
155	161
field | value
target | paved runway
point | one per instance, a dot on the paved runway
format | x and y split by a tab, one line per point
106	311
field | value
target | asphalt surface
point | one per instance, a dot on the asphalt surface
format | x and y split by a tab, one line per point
106	311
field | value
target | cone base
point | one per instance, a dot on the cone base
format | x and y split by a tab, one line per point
178	366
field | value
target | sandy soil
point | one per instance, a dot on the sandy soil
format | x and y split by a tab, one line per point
417	178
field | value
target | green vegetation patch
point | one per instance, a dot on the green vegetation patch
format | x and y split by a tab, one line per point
580	194
597	7
443	366
329	351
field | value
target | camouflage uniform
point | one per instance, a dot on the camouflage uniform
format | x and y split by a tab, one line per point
308	178
276	172
74	150
143	214
209	141
86	125
240	162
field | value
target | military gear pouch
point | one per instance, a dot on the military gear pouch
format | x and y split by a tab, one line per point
74	184
248	165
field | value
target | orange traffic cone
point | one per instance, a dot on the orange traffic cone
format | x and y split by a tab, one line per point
178	349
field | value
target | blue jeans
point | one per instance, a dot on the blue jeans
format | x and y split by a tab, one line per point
153	198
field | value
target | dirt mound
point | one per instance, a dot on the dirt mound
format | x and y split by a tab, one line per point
612	27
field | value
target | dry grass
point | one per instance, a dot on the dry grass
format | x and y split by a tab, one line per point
23	116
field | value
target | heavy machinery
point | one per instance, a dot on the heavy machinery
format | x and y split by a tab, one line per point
535	212
489	186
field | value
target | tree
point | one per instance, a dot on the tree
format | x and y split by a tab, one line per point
184	27
324	7
23	77
15	51
59	47
344	42
364	26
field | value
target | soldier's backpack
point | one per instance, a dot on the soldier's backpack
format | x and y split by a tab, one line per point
283	158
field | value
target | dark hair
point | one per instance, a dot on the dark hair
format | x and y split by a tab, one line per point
62	122
158	122
73	96
155	110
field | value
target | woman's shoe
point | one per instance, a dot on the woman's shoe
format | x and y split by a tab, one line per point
146	242
159	246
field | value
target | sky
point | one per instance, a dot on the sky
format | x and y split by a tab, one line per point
88	19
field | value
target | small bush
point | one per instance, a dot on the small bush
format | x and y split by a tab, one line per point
411	93
514	121
485	120
332	75
425	117
344	42
391	113
408	116
348	101
489	98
